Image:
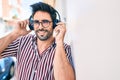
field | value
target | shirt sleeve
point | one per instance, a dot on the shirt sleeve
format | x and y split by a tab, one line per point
69	55
12	49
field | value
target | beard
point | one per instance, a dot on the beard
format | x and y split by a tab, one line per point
46	36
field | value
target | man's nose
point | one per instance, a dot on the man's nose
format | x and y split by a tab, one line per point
40	25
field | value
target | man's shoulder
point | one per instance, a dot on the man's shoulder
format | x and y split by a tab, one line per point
28	36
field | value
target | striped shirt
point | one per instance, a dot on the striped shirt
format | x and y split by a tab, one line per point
30	64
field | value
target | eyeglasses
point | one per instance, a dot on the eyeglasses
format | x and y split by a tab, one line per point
44	23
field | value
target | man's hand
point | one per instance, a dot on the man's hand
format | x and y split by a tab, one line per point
20	27
59	32
20	30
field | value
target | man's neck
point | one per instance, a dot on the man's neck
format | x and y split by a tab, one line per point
43	45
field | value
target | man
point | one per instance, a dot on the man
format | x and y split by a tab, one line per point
40	56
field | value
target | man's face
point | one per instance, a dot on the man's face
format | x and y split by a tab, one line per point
43	25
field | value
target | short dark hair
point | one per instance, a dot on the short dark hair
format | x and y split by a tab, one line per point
40	6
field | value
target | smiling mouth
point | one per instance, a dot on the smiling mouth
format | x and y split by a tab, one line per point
41	32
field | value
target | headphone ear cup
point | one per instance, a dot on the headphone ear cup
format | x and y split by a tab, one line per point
55	23
31	23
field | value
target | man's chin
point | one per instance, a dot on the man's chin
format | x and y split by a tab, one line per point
42	37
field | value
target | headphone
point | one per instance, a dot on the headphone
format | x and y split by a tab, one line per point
31	26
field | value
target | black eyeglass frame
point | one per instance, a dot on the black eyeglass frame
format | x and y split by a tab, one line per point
44	23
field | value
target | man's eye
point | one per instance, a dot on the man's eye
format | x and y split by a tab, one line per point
36	21
45	21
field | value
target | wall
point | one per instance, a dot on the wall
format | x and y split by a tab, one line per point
94	29
0	8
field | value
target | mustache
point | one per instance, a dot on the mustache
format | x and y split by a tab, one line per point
41	30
